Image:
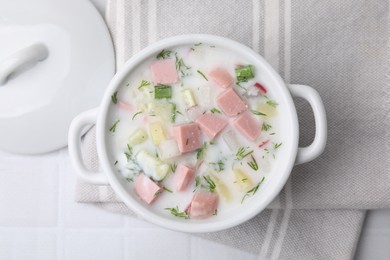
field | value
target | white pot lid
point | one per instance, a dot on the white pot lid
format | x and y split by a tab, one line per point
56	58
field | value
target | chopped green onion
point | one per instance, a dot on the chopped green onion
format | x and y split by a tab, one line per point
244	73
114	97
113	127
198	44
201	73
162	91
130	179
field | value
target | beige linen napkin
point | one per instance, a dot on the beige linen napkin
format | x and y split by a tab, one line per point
339	48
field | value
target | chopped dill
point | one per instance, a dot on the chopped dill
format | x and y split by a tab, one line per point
253	164
136	114
164	54
113	127
114	97
144	83
252	191
243	152
201	73
175	211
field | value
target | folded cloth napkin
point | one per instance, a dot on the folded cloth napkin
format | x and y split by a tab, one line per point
341	49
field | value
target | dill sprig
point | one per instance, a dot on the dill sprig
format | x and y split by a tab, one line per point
201	152
253	164
215	110
129	179
252	191
173	167
166	189
164	54
181	66
201	73
210	184
136	114
218	166
277	145
144	83
113	127
243	152
266	127
175	211
258	113
114	97
272	103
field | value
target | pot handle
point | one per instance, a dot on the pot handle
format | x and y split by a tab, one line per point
309	153
32	53
76	130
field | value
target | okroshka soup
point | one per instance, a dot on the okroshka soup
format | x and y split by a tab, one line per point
196	132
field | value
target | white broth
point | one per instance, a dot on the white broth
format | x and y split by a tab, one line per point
195	131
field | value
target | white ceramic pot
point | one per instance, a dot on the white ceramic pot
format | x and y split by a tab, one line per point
291	156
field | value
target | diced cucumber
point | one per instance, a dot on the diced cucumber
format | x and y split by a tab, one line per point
162	91
244	73
152	166
188	98
265	108
157	132
242	180
137	137
221	188
163	109
168	149
229	137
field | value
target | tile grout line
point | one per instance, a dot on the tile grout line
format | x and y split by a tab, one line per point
60	213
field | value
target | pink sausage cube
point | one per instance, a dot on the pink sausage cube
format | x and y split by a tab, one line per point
231	103
187	137
203	204
221	77
183	176
212	124
248	125
164	71
146	189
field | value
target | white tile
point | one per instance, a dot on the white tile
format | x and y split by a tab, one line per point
82	214
93	245
29	189
27	244
374	245
157	244
134	222
209	250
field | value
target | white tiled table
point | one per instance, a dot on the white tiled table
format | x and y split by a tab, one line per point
40	220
